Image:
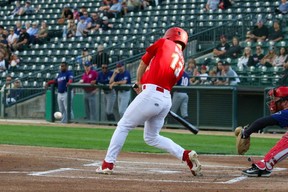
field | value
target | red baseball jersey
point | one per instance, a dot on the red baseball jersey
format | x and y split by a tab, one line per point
165	64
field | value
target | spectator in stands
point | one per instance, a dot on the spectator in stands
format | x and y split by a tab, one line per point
17	28
90	77
191	66
16	10
76	14
4	42
109	94
219	74
84	57
107	2
235	50
112	11
105	25
247	59
221	48
283	7
259	33
27	9
42	35
67	14
82	10
82	30
101	57
14	62
33	31
283	81
280	58
88	18
275	33
202	78
212	5
95	22
131	5
12	38
23	40
225	4
231	77
16	92
121	77
258	56
8	85
71	29
269	58
3	63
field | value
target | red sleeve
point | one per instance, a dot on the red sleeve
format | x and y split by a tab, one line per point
51	82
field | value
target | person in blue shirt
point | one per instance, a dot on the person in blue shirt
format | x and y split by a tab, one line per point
278	106
180	99
109	94
121	77
283	7
64	78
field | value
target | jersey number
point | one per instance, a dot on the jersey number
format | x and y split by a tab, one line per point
176	64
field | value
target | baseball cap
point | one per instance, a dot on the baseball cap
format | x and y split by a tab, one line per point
120	64
226	63
83	18
88	64
85	49
203	67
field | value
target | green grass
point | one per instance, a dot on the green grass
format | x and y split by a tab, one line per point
88	138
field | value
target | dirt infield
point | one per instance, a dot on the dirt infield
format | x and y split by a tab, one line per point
49	169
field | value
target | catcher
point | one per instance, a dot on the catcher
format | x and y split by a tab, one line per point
278	105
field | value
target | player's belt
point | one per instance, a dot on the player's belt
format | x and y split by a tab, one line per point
157	88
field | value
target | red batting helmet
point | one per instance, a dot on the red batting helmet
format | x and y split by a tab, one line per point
177	34
276	96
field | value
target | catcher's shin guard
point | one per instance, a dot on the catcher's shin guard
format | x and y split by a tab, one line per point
278	153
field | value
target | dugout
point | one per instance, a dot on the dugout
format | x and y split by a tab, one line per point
210	107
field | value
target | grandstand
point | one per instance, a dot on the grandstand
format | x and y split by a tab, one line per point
135	31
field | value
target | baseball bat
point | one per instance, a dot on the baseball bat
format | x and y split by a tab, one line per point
182	121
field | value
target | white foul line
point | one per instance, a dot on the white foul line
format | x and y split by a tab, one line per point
50	171
235	180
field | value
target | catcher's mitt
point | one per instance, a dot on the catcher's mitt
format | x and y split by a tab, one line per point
242	144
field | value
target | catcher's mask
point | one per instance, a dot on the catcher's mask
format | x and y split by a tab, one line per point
275	97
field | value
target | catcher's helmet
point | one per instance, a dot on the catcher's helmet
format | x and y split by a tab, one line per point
177	34
276	96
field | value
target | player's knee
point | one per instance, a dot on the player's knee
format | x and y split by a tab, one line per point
152	141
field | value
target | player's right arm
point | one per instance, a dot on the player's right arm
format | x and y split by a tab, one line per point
140	71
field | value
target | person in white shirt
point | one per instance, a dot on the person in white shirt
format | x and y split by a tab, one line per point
3	63
12	37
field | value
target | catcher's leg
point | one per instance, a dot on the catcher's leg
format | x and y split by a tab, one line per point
264	167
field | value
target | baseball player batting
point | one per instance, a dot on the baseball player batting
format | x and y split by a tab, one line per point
278	106
159	69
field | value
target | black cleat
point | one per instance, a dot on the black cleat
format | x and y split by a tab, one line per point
254	171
